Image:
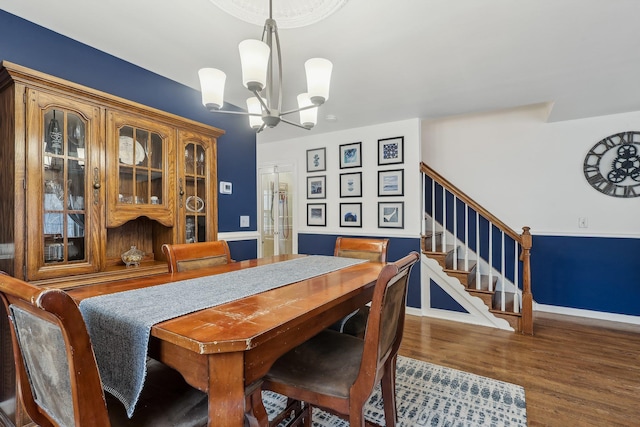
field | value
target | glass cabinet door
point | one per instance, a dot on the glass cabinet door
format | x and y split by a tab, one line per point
140	166
140	175
62	187
196	187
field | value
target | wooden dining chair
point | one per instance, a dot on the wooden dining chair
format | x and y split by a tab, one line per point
193	256
338	372
58	377
361	248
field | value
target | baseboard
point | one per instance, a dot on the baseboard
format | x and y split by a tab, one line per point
454	316
599	315
589	314
413	311
239	235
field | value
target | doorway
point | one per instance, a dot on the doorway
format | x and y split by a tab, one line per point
277	205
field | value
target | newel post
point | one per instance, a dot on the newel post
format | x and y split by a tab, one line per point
527	296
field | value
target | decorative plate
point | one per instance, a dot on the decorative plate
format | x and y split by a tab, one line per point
126	151
195	204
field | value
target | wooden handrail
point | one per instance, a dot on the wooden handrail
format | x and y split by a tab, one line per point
524	240
469	201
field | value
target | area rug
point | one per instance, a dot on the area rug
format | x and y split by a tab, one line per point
435	396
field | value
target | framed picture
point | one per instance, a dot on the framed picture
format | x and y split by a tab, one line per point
316	187
316	160
391	183
317	214
391	150
351	184
350	214
391	214
350	155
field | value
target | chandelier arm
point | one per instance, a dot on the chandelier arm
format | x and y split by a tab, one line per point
279	66
264	104
294	124
242	113
297	110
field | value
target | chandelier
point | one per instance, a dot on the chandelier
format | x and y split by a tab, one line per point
264	108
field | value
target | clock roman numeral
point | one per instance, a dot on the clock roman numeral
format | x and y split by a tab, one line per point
630	191
597	180
608	188
591	169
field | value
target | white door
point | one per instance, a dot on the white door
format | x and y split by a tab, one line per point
277	206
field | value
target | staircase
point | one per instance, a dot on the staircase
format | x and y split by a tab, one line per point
485	256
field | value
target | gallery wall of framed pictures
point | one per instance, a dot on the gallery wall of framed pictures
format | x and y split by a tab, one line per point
391	182
351	187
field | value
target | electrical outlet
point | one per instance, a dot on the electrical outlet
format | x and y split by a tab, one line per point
244	221
583	222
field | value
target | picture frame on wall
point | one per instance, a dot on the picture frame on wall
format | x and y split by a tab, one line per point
316	160
390	214
391	183
317	214
351	184
351	155
391	151
350	214
316	187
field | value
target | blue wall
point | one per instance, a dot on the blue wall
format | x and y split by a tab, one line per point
28	44
323	244
589	273
243	249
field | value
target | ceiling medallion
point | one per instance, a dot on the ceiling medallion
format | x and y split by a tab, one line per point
288	13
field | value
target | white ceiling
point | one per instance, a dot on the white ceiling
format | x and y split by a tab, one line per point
393	60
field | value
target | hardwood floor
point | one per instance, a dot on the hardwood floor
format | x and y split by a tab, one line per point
575	371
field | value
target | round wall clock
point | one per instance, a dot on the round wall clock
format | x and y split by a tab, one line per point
612	166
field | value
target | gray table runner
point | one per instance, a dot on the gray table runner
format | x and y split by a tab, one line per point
120	324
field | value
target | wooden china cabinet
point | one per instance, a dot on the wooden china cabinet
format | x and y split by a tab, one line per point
84	177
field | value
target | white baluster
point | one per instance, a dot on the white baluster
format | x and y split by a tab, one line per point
516	279
478	251
502	273
490	257
455	232
444	220
466	237
433	215
423	223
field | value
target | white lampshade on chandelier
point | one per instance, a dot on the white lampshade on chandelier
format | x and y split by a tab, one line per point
257	58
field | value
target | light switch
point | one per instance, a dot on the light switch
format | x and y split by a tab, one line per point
244	220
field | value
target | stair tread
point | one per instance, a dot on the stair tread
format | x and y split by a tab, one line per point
431	233
506	313
480	291
449	249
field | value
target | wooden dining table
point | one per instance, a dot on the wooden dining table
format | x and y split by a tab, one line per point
225	350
